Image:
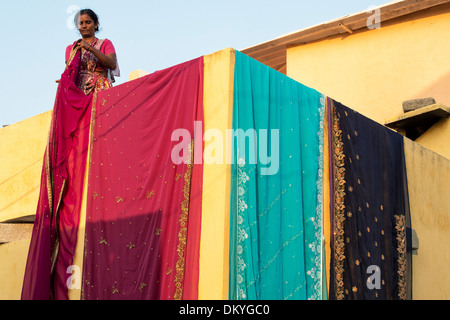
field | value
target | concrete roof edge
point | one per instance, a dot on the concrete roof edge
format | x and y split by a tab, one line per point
404	7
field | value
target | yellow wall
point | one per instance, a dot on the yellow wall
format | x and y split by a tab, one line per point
13	257
137	74
22	147
218	107
374	71
428	183
437	138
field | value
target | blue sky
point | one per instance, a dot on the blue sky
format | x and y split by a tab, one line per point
148	35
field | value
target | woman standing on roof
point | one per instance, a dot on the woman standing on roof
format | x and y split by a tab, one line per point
90	68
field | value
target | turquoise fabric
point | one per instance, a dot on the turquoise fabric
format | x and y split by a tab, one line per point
276	225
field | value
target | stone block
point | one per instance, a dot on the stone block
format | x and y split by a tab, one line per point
411	105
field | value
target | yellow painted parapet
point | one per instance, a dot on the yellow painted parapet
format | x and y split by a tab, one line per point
22	147
13	258
428	183
218	115
137	74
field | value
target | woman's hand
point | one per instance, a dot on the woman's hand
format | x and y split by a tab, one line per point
109	61
84	45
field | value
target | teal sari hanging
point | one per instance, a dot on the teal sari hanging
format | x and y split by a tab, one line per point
276	226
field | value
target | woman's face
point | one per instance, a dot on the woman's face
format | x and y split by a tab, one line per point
86	26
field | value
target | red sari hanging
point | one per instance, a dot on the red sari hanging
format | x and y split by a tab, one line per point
55	230
144	210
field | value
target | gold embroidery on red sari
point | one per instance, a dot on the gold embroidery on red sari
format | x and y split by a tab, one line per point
182	235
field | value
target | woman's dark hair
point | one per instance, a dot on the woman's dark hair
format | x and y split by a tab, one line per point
91	14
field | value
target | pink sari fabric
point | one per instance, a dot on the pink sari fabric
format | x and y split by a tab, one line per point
144	210
57	216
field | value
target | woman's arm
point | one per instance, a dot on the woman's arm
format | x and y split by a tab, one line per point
108	61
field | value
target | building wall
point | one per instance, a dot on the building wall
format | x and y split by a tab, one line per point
428	182
218	115
137	74
13	258
22	147
437	138
23	144
374	71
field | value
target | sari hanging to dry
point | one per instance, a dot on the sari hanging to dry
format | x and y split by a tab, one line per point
276	233
144	196
371	258
57	217
54	236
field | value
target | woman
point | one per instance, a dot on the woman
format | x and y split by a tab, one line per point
89	66
98	57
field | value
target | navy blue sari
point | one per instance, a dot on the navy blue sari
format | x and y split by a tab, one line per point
371	220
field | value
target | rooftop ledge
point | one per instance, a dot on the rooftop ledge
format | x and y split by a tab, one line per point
414	123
